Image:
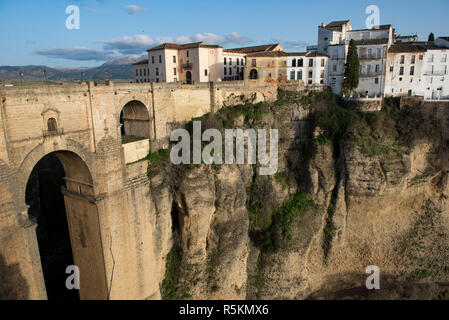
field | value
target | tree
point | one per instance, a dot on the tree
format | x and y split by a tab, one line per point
352	66
431	37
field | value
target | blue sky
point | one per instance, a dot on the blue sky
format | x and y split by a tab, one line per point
34	31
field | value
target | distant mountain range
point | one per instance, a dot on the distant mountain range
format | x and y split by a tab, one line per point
117	69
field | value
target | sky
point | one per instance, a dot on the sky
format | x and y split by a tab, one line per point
34	32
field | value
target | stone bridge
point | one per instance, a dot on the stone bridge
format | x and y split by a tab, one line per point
98	132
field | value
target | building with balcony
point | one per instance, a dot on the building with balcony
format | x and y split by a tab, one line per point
187	63
404	73
418	69
333	40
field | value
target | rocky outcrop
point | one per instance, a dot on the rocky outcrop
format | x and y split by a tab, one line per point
388	209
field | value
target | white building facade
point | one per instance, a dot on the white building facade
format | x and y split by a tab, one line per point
309	67
373	44
435	70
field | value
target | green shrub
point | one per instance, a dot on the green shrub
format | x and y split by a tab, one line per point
170	289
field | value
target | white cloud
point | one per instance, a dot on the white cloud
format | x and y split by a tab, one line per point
132	9
140	42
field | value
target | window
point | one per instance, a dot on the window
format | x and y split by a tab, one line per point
310	62
310	81
230	61
152	59
335	68
144	72
377	68
174	59
174	71
160	59
224	62
368	70
322	74
299	75
401	71
391	69
157	79
230	71
205	72
157	71
253	62
402	59
292	75
224	71
52	125
242	62
379	52
376	81
370	53
238	62
322	62
421	57
187	53
140	72
294	63
310	74
412	70
137	73
413	59
300	63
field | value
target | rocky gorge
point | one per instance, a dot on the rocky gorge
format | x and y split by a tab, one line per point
353	189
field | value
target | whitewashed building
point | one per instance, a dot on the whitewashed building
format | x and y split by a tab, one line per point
187	63
418	69
141	71
309	67
435	69
333	40
196	62
404	74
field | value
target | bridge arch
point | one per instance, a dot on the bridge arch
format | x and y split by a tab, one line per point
59	192
135	120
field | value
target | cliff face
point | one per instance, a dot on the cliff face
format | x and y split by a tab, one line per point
352	190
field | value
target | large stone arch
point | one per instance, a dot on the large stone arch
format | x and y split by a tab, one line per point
37	153
81	206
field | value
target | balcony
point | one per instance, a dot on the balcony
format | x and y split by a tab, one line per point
187	65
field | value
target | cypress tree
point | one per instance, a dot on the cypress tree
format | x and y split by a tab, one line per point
352	66
431	37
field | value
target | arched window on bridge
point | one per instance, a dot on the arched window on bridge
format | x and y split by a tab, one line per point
135	122
253	74
52	125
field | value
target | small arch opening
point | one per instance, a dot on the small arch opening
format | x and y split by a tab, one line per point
134	122
253	74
